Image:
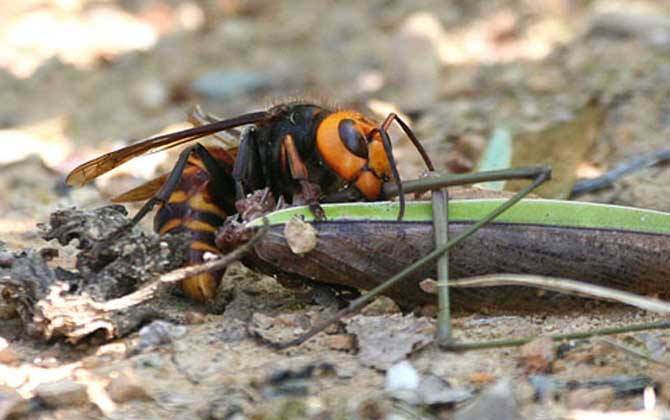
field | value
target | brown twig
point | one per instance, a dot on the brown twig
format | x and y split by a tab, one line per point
624	168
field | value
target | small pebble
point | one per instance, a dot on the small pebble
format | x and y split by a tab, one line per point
64	393
158	333
126	386
538	355
7	354
382	305
6	259
192	318
497	402
402	376
341	342
591	399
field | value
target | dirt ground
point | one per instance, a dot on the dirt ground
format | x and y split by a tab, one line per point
79	78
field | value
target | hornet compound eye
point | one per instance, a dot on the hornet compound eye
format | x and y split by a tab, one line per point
353	138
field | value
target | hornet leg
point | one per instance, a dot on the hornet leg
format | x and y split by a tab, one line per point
298	170
218	177
247	171
168	187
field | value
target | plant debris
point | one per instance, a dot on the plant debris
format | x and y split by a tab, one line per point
529	66
387	339
113	261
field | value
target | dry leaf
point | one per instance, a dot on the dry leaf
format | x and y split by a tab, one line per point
387	339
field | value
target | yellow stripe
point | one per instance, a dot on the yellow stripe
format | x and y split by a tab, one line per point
169	225
197	202
203	246
196	162
178	197
199	226
201	287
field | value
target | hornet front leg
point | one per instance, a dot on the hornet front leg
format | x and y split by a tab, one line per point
310	191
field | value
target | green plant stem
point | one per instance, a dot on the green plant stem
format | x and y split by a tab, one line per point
436	182
441	232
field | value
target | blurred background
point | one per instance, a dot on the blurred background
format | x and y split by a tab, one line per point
582	85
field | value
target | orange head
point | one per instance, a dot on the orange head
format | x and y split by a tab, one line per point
351	145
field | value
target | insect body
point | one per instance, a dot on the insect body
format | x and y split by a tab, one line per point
200	202
302	152
308	154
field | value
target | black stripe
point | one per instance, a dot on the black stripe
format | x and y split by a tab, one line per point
206	237
207	217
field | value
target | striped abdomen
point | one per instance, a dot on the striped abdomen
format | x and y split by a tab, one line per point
194	208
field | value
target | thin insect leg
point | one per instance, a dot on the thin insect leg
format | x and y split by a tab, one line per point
355	305
415	141
386	141
440	200
298	170
247	170
266	192
168	187
281	203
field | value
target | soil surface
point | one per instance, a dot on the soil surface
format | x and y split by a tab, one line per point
583	86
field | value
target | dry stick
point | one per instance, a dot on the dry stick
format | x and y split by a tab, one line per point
441	229
541	174
148	291
219	263
621	170
566	286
